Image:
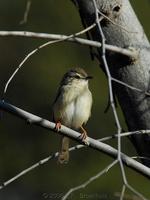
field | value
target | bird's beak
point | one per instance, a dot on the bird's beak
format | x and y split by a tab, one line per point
89	77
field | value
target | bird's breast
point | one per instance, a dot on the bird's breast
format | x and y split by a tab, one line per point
77	109
82	109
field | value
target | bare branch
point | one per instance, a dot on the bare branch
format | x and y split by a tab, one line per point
77	147
46	44
26	13
23	61
127	196
41	162
129	86
135	192
103	55
132	133
103	49
89	180
94	144
140	157
98	175
133	54
40	47
133	73
123	192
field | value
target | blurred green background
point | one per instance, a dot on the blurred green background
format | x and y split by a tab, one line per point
34	89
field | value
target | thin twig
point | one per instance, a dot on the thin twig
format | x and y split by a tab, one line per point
26	13
94	144
23	61
119	135
129	86
128	196
123	192
126	134
135	192
56	37
41	162
110	90
133	54
77	147
119	25
93	178
140	157
40	47
113	104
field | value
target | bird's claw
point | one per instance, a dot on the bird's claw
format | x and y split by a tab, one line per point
57	126
84	138
86	142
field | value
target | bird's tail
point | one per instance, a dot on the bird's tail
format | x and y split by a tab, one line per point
63	157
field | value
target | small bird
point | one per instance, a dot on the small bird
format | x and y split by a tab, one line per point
72	107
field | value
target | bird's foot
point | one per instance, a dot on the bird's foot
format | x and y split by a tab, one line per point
86	142
57	126
84	136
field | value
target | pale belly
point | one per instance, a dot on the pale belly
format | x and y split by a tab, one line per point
77	113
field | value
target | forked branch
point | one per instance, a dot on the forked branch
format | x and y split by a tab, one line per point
94	144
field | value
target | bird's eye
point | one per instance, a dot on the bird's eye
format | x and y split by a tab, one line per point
77	77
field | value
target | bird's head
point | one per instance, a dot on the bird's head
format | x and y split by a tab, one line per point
76	76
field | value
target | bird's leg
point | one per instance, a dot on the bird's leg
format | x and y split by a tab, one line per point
83	134
58	125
